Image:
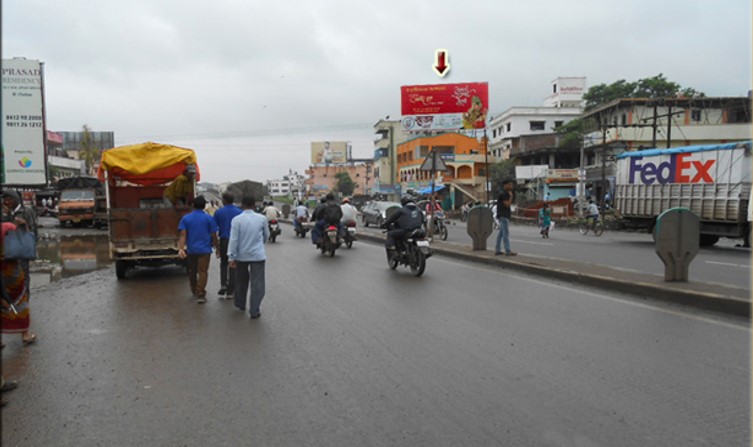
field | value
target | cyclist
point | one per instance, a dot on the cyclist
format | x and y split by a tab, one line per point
592	212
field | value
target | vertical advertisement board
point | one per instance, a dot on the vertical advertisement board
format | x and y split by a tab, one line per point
23	123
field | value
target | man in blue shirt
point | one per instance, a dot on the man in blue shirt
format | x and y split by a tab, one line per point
248	233
198	235
222	217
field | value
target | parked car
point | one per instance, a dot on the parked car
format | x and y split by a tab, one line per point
375	212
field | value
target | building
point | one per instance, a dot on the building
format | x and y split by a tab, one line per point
59	165
388	135
72	144
291	185
561	107
643	123
464	156
321	177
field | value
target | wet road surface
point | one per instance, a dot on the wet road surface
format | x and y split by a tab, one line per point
350	353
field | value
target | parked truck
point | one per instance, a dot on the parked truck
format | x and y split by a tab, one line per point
713	181
143	226
81	202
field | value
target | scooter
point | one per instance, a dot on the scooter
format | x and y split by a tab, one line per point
274	230
301	226
440	229
331	240
413	252
349	235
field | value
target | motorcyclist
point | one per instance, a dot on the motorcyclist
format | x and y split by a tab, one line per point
270	211
404	221
301	215
328	213
349	211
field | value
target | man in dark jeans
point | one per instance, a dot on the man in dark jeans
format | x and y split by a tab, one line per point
504	203
223	217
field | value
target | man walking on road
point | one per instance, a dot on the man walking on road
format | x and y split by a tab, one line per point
504	202
198	235
248	233
222	217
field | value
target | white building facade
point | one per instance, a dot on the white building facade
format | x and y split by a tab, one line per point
291	185
561	107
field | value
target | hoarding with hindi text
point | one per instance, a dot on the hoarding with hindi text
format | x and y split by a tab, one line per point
444	107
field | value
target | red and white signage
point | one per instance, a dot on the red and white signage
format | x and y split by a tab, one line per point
445	106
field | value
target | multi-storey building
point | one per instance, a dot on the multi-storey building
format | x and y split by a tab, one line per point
388	134
321	176
291	185
562	106
464	156
59	165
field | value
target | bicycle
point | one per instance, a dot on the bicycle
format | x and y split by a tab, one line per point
589	223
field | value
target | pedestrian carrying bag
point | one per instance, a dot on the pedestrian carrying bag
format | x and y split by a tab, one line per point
20	244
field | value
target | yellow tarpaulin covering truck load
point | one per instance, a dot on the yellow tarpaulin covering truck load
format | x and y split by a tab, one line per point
143	226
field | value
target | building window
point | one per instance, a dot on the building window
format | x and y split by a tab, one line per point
537	125
509	126
558	124
695	115
554	88
624	119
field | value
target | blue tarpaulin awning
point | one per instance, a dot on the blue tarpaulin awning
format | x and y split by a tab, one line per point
427	190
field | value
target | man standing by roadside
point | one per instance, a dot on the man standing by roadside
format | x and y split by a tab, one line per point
198	235
504	202
222	217
248	233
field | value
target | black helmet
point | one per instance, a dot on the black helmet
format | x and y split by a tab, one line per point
405	199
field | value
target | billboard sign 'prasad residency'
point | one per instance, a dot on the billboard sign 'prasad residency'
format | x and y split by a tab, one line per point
444	106
23	123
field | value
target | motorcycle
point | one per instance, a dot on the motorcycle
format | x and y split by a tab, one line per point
331	240
413	252
274	230
349	235
439	227
301	226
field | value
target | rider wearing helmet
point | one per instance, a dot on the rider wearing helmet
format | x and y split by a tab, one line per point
328	213
401	223
349	211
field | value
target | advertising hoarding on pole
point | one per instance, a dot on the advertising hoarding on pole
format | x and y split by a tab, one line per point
444	107
23	127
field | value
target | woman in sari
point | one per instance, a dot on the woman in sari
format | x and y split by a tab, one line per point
14	316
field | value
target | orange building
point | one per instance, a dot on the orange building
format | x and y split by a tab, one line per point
464	156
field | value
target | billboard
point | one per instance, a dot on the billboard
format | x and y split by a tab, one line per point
329	152
444	106
23	123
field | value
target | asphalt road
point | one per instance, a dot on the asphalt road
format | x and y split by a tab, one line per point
348	352
722	263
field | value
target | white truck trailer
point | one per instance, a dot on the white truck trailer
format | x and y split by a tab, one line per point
713	181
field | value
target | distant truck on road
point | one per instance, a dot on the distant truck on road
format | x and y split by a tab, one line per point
81	202
713	181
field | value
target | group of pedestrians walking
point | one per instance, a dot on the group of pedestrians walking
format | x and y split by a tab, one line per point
237	235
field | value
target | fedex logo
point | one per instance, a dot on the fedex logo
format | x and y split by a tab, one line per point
678	169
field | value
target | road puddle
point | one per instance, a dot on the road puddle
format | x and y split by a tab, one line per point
65	255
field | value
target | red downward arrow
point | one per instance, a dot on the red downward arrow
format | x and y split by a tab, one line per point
441	66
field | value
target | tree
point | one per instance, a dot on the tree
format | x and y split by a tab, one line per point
655	87
499	172
89	151
345	184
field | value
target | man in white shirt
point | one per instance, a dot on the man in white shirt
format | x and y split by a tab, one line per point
349	212
592	211
245	251
271	212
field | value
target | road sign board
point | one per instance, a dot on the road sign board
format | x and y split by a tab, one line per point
433	163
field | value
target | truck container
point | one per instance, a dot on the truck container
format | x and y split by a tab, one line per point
713	181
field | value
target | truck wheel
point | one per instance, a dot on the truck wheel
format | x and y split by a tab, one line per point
120	269
707	240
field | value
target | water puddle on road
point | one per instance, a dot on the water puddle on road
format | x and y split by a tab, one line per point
66	255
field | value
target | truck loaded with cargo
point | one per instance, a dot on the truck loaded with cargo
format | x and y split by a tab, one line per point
713	181
143	224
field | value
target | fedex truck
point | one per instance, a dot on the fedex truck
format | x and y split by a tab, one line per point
713	181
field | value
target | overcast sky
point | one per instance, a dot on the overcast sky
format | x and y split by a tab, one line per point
249	84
